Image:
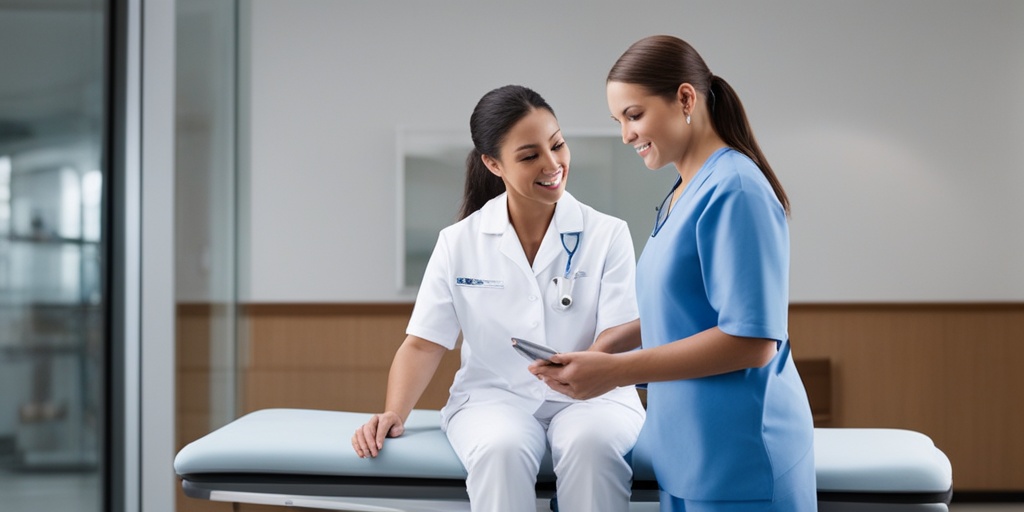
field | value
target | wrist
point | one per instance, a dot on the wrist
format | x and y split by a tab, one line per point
623	373
396	414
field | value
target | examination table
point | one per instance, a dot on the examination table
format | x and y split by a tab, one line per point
304	458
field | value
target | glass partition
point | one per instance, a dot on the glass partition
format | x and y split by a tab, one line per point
205	216
53	340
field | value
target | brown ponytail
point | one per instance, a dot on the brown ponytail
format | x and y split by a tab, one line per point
481	185
730	121
661	63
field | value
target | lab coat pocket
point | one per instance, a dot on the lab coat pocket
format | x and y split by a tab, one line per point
572	293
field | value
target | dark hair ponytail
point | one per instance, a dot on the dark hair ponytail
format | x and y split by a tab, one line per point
730	121
495	114
661	63
481	185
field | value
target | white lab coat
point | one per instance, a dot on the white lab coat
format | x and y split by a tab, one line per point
479	282
501	296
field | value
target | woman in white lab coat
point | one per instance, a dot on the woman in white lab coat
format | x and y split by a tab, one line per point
523	245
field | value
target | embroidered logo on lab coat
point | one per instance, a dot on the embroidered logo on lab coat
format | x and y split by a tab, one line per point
479	283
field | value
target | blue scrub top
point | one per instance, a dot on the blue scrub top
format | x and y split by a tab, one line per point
721	258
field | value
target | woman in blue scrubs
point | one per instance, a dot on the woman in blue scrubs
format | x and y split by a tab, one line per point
728	423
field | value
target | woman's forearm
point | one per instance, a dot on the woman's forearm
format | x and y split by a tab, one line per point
621	338
711	352
414	365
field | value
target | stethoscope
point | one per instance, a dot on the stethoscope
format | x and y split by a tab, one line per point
566	282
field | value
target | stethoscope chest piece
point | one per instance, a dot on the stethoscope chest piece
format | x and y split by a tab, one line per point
564	286
565	283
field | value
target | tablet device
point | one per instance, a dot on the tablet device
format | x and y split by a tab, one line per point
533	351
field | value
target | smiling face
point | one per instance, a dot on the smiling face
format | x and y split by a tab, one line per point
654	126
533	161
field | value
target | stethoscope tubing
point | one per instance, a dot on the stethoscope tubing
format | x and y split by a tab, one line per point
572	252
565	296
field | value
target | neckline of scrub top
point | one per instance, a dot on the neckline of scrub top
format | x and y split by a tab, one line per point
662	213
568	216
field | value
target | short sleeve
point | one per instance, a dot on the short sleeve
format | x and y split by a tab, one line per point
743	244
617	302
433	316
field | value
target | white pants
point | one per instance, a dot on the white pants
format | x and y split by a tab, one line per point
502	448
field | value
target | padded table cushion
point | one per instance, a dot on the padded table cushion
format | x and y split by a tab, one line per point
879	460
313	442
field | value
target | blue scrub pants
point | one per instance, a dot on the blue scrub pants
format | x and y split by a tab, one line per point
795	492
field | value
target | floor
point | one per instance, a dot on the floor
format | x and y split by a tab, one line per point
956	507
987	507
34	491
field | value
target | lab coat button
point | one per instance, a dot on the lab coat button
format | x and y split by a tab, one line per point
533	324
533	298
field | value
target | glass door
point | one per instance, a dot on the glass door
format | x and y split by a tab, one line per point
206	221
53	121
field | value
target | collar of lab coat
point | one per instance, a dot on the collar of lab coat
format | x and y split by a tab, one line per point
568	219
568	215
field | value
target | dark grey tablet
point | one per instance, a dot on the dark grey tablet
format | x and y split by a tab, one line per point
533	351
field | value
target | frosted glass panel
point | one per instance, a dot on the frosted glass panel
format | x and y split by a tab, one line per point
206	222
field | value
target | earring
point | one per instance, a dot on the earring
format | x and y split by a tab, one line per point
687	118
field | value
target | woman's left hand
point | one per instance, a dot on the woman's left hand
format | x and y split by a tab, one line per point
580	375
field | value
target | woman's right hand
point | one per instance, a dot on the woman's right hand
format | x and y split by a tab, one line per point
369	438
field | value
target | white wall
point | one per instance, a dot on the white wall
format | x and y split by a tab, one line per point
895	126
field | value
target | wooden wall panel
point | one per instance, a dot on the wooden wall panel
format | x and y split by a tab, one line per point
953	372
192	363
196	377
192	389
329	357
186	504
